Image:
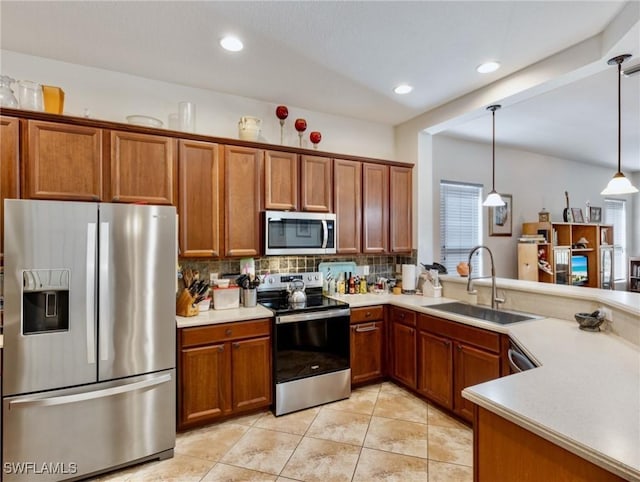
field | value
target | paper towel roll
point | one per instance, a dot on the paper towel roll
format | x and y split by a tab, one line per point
408	277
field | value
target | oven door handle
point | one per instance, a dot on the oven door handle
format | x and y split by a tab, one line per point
313	315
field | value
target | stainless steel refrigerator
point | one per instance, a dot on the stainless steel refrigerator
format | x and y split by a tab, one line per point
89	337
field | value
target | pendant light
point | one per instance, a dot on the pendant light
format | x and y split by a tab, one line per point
619	184
493	199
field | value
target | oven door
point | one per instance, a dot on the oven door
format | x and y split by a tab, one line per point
299	233
311	343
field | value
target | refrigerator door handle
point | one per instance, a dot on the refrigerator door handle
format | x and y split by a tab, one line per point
104	306
91	293
82	397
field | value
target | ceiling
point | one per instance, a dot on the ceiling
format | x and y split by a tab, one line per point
345	58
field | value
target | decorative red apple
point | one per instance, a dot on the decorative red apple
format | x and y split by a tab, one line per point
315	137
301	126
282	113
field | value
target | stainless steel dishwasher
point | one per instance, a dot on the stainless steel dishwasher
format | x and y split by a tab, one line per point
518	361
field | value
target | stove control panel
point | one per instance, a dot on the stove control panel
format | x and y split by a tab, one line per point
280	281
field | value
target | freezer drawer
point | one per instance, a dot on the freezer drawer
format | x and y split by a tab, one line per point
89	429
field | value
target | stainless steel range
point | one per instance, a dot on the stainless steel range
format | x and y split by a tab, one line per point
311	357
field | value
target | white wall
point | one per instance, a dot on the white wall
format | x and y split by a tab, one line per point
534	180
112	96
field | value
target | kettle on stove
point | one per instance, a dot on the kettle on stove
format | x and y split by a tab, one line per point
297	296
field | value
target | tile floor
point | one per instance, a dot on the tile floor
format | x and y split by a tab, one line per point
381	433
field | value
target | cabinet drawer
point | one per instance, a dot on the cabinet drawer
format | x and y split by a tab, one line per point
202	335
367	313
400	315
458	331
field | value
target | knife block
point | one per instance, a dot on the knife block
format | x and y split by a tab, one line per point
185	304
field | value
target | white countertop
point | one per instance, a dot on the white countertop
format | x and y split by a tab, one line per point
585	396
213	317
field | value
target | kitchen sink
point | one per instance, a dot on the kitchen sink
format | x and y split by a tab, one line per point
483	313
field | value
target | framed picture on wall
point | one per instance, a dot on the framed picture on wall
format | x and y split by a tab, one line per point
500	217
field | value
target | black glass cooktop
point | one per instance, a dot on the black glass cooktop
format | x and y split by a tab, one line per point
280	304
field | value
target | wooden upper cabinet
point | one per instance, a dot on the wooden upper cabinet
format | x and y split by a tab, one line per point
199	199
62	162
400	209
347	194
9	166
142	168
281	180
242	166
316	184
375	208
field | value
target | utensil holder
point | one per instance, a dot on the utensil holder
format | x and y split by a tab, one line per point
185	304
249	297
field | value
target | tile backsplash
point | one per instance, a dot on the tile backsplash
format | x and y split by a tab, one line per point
379	265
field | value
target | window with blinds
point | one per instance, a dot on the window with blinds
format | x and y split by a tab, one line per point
615	213
460	223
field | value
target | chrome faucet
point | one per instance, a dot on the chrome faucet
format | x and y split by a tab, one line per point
494	294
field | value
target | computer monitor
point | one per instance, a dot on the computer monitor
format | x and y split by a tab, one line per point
579	270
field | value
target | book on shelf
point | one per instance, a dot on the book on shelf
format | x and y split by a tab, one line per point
532	239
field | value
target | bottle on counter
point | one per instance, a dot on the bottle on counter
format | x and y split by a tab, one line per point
363	286
352	284
341	282
332	287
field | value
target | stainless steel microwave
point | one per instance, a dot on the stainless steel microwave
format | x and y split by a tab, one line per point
288	232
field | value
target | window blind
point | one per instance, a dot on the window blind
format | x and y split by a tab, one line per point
616	215
460	223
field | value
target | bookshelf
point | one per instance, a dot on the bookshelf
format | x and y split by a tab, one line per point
634	274
560	244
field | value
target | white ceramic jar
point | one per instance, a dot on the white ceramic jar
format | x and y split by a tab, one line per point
249	128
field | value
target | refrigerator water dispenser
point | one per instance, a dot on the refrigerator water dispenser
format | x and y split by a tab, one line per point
45	301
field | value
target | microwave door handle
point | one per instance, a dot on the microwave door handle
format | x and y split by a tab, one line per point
104	305
325	232
91	293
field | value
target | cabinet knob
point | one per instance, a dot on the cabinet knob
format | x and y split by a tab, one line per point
228	332
402	316
367	314
236	345
221	348
459	347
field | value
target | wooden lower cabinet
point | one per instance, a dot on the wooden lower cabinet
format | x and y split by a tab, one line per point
453	356
223	369
367	344
504	452
204	383
251	373
403	346
435	368
471	366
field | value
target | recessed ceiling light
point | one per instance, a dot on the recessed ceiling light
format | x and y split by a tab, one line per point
231	43
488	67
403	89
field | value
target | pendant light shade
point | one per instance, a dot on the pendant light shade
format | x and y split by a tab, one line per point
493	199
619	184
